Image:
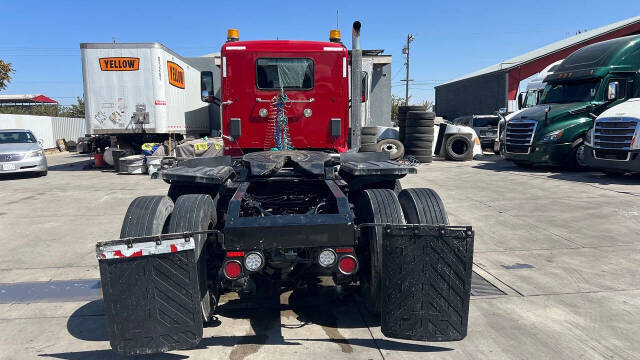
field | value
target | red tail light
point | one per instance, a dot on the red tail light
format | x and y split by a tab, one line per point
232	269
348	265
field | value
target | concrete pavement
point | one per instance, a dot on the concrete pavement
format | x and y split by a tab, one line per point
562	246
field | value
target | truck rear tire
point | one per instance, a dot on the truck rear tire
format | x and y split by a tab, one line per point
379	206
146	216
423	206
369	130
197	212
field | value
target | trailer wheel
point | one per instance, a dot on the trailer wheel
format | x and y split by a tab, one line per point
374	206
369	130
423	206
197	212
146	216
459	148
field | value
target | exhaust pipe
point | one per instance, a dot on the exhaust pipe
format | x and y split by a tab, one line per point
356	85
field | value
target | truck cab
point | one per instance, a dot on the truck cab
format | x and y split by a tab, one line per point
585	84
613	144
311	74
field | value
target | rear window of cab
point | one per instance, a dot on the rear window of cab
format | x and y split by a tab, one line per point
285	73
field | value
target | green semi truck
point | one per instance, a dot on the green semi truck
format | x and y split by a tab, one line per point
585	84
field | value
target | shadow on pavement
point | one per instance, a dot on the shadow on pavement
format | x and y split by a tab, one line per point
109	354
332	308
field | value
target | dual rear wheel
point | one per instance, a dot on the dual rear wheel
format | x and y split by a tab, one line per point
155	215
383	206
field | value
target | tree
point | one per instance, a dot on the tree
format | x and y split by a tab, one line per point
75	111
395	103
5	74
428	105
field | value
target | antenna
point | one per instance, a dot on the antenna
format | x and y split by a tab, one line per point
337	26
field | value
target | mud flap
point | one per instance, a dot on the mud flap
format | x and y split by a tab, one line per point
426	281
151	294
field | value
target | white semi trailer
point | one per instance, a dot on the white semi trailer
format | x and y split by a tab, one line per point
142	92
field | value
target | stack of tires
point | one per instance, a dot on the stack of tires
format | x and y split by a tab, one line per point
418	135
368	139
402	117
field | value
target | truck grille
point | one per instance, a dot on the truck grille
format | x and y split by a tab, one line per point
11	157
519	136
612	138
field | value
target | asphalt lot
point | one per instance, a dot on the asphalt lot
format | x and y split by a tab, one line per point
563	248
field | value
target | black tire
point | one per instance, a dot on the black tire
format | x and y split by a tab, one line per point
419	145
369	147
368	139
43	173
576	159
420	115
409	137
458	148
369	130
403	110
394	147
146	216
420	123
197	212
423	206
419	152
419	130
374	206
397	187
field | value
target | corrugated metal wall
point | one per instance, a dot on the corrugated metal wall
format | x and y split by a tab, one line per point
46	128
482	95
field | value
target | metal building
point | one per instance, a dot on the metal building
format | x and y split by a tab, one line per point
487	90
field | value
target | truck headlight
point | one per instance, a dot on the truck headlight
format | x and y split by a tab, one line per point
35	154
552	136
588	139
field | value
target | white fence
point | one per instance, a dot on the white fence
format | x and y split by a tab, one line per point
46	128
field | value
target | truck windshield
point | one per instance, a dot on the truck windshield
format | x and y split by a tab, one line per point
286	73
486	121
15	137
570	92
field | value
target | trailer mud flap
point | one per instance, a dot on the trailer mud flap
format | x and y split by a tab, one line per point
426	281
151	294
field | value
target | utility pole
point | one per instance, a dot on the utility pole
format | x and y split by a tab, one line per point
405	50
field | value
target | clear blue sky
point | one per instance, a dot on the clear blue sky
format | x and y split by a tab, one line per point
452	38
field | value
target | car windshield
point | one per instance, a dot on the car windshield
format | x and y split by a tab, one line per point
287	73
15	137
570	92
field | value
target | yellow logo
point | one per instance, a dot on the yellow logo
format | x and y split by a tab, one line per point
176	74
119	64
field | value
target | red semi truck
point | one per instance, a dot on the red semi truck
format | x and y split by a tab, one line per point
313	207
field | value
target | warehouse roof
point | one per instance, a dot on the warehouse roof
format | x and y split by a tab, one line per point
551	48
26	99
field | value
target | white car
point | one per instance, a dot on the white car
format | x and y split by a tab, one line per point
20	151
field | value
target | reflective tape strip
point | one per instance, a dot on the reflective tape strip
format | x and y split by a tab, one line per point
344	67
145	249
236	48
332	48
224	66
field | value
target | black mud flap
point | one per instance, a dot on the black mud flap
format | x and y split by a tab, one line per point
151	294
426	281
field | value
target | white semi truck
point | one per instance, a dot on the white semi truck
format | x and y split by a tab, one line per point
144	92
613	143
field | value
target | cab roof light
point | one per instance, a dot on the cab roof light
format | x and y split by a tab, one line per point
334	36
233	35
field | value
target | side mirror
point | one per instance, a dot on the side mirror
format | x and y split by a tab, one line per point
40	142
502	111
206	86
520	100
612	90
